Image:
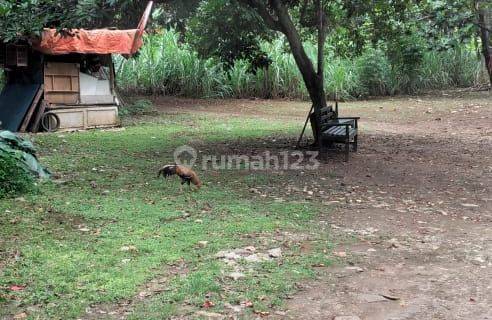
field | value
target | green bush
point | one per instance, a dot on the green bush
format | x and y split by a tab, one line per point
137	108
375	73
14	180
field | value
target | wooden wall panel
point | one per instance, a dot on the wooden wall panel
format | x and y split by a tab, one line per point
62	83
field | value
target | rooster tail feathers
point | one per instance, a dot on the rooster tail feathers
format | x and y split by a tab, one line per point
167	171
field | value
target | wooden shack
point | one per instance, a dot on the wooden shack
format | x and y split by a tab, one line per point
64	80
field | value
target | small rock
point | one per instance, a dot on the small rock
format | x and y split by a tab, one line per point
232	256
478	260
209	315
250	248
236	275
469	205
144	294
106	192
21	315
369	298
202	244
341	254
20	199
346	318
233	308
356	269
221	254
393	243
253	258
275	253
128	248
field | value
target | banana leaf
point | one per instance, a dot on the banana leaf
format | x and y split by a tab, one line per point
11	145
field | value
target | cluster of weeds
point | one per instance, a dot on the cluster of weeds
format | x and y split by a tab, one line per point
14	180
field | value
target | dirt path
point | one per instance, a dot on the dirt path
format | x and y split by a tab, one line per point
413	210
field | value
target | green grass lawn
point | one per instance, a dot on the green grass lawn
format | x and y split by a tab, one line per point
108	226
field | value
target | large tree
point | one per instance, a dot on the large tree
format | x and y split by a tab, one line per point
276	15
483	11
460	20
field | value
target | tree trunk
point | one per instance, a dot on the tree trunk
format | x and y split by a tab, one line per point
485	25
276	16
313	82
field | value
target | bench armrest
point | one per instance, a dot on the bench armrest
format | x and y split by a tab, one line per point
355	120
349	118
338	124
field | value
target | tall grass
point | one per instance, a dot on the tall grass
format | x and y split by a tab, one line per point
166	66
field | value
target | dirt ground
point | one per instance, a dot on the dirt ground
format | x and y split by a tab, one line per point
412	209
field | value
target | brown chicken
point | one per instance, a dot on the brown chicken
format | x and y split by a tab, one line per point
186	174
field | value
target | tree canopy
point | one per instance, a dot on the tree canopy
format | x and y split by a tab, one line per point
232	29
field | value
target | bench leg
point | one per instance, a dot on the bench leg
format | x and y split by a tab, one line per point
347	150
355	143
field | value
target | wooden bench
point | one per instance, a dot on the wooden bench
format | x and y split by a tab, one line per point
332	129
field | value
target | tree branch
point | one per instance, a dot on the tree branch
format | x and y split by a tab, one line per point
302	18
262	10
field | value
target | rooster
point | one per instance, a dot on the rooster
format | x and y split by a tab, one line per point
186	174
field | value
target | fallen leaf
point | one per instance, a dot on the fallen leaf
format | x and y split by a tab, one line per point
247	304
341	254
390	297
15	287
261	313
208	304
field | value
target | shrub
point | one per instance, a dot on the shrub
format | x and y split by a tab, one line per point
374	73
137	108
13	179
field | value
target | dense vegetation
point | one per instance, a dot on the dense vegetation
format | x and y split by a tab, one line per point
167	66
300	48
13	179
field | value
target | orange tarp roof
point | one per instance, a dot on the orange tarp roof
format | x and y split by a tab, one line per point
100	41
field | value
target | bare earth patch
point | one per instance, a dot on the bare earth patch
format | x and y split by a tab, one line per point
413	208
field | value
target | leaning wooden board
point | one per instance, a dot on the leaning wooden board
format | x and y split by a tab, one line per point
31	110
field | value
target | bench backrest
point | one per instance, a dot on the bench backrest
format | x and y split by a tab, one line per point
326	115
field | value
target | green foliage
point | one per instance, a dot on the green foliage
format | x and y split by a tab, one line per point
169	67
226	30
2	79
27	18
374	72
448	23
14	179
138	108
